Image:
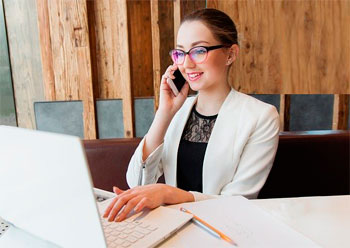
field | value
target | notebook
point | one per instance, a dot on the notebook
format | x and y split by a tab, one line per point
47	185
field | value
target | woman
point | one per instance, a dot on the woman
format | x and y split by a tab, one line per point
220	142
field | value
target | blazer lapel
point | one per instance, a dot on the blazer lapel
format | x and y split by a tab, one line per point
176	129
218	159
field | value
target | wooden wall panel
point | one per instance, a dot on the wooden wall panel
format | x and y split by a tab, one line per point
46	53
140	45
162	17
23	38
68	33
109	87
177	17
112	55
340	112
187	6
156	51
122	63
284	112
90	5
166	30
66	60
291	47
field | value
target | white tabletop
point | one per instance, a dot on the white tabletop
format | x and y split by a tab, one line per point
325	220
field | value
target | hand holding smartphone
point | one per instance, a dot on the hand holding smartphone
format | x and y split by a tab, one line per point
177	83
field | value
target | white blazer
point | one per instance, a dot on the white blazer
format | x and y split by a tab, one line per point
239	155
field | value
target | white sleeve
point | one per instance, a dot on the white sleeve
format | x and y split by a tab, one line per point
256	160
144	172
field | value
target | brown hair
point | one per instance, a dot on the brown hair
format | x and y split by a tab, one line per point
220	24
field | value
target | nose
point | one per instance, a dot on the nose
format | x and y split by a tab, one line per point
188	63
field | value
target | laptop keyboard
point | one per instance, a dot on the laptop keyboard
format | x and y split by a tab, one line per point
126	233
4	226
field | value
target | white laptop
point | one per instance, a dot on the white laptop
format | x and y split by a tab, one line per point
46	190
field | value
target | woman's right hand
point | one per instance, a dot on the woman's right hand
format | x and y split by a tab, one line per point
168	102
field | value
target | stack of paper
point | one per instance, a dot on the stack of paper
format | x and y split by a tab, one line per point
241	220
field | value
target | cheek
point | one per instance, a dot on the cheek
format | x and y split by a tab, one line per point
216	64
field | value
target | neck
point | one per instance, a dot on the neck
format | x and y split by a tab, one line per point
209	101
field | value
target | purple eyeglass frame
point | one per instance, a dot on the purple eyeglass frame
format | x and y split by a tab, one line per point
208	48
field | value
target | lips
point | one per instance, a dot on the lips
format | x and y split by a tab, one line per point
193	76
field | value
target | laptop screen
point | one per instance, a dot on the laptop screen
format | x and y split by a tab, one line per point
47	186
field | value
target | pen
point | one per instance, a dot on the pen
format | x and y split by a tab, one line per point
222	236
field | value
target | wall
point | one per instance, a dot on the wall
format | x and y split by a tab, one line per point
108	55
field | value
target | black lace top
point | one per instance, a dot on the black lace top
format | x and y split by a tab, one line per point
191	151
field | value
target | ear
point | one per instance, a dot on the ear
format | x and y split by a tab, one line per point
233	52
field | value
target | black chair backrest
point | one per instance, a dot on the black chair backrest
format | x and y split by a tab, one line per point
314	163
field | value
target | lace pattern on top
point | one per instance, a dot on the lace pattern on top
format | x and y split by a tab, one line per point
198	127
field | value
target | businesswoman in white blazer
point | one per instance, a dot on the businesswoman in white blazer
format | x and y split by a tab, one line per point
217	143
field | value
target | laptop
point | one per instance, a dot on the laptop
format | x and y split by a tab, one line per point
46	190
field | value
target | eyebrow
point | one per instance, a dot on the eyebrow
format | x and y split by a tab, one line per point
194	43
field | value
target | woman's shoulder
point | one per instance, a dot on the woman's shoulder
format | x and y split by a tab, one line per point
251	106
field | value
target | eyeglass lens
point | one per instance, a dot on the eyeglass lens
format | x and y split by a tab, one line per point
197	55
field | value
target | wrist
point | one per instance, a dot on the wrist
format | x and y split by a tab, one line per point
163	118
164	115
173	195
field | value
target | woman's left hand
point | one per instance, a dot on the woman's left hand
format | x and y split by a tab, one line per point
150	196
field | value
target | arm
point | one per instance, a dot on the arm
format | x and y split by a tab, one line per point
145	166
146	161
148	196
169	104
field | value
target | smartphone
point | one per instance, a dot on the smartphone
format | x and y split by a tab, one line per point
177	83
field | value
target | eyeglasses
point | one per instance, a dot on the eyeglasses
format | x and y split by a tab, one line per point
197	54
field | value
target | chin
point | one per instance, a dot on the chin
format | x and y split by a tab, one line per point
195	87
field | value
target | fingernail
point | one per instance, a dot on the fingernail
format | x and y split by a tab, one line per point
118	218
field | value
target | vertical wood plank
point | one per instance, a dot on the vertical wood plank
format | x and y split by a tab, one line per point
162	15
284	112
177	17
122	62
109	87
82	44
340	112
23	38
140	43
93	46
188	6
46	52
155	51
86	88
214	4
71	57
166	33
